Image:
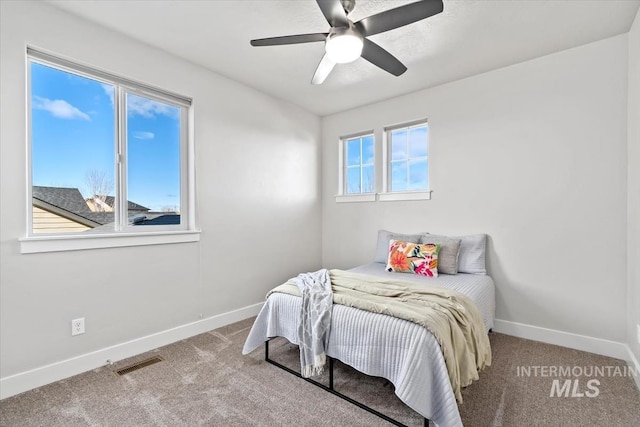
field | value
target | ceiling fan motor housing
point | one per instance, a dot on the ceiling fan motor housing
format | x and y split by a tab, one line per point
344	44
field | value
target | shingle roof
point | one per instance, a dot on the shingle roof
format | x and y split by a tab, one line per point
70	200
109	200
169	219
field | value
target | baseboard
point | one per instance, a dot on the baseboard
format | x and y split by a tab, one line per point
633	363
600	346
31	379
23	381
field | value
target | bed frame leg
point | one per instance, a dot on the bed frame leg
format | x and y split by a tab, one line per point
331	373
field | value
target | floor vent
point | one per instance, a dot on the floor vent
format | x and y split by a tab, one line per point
139	365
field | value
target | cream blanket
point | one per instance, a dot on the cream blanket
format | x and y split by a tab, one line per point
450	316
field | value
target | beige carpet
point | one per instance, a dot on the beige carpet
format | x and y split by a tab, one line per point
205	381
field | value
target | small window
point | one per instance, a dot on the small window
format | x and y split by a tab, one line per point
359	165
107	155
357	168
407	166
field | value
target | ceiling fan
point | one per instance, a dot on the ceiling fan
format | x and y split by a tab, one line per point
347	41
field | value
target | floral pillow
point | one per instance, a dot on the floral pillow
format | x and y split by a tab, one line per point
405	257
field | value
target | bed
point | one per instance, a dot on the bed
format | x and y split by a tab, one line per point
400	351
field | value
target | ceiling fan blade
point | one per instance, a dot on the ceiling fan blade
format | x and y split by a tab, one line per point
334	12
298	38
324	68
398	17
381	58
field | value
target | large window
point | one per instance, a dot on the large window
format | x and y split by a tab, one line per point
107	155
408	160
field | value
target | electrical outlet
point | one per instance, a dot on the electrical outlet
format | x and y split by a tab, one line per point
77	326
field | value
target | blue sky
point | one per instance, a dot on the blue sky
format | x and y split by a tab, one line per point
73	133
409	165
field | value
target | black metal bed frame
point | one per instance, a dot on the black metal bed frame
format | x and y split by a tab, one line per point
331	389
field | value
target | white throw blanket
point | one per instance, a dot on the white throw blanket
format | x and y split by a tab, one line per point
315	320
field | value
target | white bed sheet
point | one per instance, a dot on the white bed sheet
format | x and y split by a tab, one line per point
403	352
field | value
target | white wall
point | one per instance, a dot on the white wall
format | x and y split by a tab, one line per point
633	210
534	155
258	203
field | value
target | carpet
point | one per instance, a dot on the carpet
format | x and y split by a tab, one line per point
206	381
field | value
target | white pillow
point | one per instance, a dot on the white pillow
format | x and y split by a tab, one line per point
471	259
384	237
472	254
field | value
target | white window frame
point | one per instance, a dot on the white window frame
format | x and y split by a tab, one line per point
387	195
123	233
343	196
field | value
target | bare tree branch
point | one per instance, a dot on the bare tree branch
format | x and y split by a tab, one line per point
99	186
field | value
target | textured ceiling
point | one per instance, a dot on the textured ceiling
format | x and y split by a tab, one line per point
468	38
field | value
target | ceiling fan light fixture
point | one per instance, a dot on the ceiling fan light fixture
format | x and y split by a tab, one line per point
344	47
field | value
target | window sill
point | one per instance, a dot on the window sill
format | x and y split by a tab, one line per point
404	195
344	198
38	244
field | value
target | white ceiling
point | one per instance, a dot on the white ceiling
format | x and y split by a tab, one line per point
468	38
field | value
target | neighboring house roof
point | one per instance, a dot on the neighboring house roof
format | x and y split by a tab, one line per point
69	199
109	200
69	202
168	219
146	219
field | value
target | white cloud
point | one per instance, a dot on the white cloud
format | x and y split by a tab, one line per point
59	108
108	90
144	135
148	108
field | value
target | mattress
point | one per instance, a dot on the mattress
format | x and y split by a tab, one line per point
403	352
478	287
